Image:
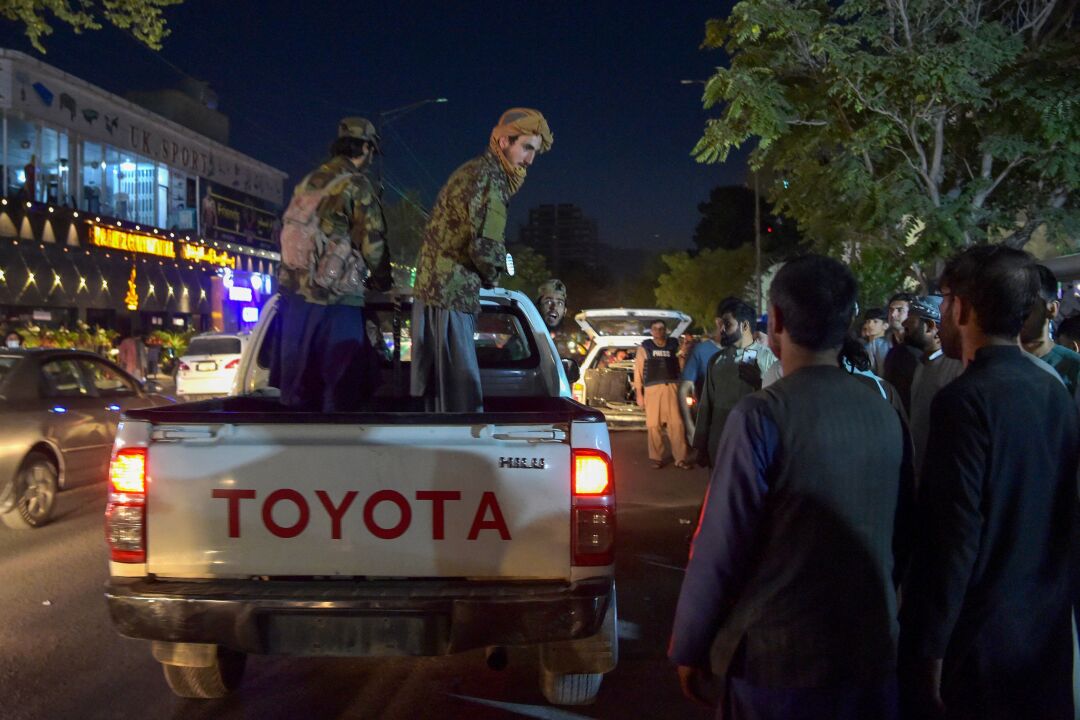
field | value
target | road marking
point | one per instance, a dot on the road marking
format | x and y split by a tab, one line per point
542	712
658	561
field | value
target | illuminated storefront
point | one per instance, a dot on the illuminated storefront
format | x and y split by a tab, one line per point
94	185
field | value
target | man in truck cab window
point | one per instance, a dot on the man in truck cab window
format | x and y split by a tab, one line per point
464	250
324	360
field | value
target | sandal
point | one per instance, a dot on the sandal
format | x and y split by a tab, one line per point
683	465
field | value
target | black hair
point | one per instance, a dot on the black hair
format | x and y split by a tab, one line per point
903	296
816	296
349	147
875	314
742	312
855	353
1000	283
1070	326
1048	283
726	304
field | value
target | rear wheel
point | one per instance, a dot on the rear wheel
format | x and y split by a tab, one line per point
216	680
37	485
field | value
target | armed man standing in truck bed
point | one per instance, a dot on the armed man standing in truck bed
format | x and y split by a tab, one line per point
332	247
464	250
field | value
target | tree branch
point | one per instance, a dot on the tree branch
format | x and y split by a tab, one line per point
987	164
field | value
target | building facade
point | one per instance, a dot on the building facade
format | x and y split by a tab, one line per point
116	216
563	235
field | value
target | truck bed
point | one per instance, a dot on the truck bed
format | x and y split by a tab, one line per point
381	411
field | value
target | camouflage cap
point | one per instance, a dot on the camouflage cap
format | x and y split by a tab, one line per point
552	287
359	128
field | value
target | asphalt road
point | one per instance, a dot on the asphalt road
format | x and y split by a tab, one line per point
61	658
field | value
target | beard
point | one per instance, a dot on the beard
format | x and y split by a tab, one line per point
728	340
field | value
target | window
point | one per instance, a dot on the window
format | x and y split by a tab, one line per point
108	381
501	338
63	379
214	346
53	167
93	174
21	158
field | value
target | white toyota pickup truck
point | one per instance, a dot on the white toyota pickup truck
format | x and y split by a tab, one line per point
239	526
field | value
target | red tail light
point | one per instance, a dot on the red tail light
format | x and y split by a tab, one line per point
125	516
592	528
185	367
232	364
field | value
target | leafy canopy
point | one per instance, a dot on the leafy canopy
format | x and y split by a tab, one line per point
910	126
145	19
695	284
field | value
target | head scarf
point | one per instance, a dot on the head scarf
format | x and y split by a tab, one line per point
519	121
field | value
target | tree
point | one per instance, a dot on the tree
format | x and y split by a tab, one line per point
909	126
727	218
145	19
405	223
530	271
695	284
728	223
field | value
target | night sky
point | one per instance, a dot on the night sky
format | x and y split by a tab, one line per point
605	74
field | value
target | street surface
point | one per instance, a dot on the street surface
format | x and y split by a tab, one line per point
60	657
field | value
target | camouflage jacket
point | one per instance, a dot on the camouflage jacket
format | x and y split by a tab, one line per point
463	245
353	210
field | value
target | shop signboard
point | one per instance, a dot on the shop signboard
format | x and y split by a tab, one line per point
41	91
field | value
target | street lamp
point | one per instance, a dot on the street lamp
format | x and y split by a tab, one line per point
387	116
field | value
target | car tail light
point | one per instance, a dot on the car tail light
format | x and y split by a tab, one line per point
125	516
592	529
690	401
185	367
232	364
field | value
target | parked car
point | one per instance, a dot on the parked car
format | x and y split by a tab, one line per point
607	372
208	366
58	415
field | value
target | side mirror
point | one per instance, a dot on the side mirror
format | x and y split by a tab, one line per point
152	386
572	370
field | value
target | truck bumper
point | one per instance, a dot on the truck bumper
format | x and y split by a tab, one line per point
365	618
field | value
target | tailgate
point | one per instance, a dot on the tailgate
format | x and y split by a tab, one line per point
477	501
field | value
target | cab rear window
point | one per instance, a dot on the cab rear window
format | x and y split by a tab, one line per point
214	346
501	338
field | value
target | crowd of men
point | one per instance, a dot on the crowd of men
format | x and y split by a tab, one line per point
890	527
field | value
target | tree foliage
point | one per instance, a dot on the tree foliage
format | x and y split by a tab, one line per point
145	19
530	271
696	283
909	126
405	223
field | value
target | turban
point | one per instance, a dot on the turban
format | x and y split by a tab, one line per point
514	122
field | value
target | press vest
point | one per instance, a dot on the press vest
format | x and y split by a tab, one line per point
661	363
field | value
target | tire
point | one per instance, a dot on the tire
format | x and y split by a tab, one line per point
37	485
207	683
570	688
